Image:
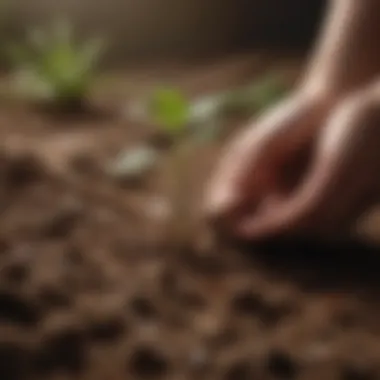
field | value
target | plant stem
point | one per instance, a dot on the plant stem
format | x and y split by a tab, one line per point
180	228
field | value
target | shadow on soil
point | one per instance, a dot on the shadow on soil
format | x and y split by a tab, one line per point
316	266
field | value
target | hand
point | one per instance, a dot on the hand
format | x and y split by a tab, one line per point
256	166
288	176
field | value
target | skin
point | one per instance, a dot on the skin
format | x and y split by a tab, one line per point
310	165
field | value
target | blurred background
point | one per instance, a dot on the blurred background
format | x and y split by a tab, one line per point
150	28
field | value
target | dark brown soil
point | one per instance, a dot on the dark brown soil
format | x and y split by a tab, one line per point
89	292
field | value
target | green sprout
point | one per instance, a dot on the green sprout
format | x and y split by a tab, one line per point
180	118
52	68
204	117
169	110
189	122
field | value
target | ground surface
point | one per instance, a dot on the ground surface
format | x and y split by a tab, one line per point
87	292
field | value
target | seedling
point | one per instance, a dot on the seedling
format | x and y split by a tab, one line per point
190	122
167	109
51	68
204	117
170	110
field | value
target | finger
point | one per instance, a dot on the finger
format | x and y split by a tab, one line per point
323	193
236	169
246	170
284	216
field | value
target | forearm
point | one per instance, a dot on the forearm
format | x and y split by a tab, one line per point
347	54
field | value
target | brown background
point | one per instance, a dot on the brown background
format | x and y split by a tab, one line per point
140	28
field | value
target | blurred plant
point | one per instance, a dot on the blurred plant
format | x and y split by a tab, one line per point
51	68
189	123
192	122
168	108
171	112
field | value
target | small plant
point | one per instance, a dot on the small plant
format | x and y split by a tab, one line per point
189	123
168	108
51	68
171	111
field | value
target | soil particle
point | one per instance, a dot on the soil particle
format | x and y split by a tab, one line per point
253	305
14	361
247	303
357	373
143	308
21	170
16	272
148	362
281	365
107	330
59	224
241	370
17	310
62	351
51	297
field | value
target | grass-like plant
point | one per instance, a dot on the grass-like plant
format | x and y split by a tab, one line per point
51	68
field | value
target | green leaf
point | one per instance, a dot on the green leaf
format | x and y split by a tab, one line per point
56	63
169	109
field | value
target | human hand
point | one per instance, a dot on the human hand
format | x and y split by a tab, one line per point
288	176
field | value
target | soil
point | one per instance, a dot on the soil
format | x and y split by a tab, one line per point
89	290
